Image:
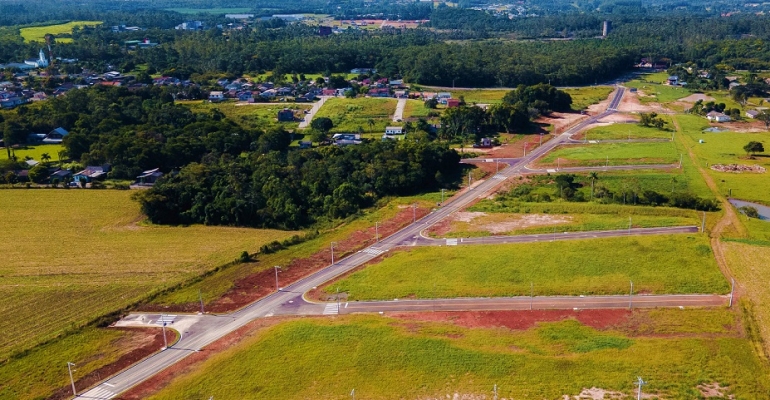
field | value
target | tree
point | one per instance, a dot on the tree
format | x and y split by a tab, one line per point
594	177
651	120
753	148
38	173
431	103
370	122
322	124
45	158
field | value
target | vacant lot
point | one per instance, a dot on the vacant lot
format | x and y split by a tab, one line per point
727	148
407	356
353	115
74	255
251	116
656	264
624	131
612	154
585	96
37	33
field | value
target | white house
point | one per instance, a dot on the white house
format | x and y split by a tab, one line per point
752	113
41	62
717	117
394	130
55	136
216	96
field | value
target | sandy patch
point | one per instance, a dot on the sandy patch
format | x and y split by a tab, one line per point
631	104
525	221
595	393
738	169
695	97
468	216
748	126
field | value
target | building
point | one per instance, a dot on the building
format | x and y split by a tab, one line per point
286	115
305	144
452	103
606	28
752	113
672	80
148	178
394	130
216	96
717	117
379	92
401	94
55	136
41	61
91	173
360	71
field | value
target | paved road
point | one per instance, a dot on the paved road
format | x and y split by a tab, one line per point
399	114
549	237
210	328
534	303
310	115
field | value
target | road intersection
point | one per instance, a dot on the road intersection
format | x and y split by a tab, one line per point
198	331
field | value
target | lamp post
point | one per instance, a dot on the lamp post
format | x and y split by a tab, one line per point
165	342
377	232
276	278
414	212
442	196
332	248
72	381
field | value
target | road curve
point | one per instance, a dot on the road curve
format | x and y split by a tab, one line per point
212	328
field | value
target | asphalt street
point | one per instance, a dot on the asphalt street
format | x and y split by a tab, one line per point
207	329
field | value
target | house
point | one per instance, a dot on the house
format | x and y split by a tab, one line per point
216	96
35	138
11	102
286	115
328	92
360	71
268	94
60	175
717	117
444	95
396	82
486	143
284	91
55	136
305	144
672	80
245	96
148	178
379	92
91	173
190	26
394	130
401	94
452	103
752	113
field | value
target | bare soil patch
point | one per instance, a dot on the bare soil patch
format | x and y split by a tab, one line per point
695	97
495	224
747	126
709	390
738	168
516	148
140	343
595	393
631	103
253	287
519	320
193	361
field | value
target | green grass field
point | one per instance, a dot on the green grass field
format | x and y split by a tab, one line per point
37	33
656	264
624	131
727	148
614	153
386	358
74	255
35	152
417	109
585	96
224	10
254	116
351	115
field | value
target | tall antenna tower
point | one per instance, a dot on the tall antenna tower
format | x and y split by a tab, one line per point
640	383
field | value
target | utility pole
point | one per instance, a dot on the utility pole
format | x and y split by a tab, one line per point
442	196
332	247
641	383
495	390
732	291
558	163
629	225
631	296
72	381
525	149
377	232
541	139
680	160
338	299
608	162
531	294
277	289
703	224
200	297
353	392
414	212
469	180
165	342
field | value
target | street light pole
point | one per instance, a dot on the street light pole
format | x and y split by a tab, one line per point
332	247
732	291
72	381
377	232
442	196
414	212
200	298
629	225
165	342
631	296
276	278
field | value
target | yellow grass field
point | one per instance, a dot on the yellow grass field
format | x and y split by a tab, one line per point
37	33
70	256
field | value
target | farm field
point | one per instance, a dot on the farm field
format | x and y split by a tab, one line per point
251	116
748	263
474	224
37	33
612	153
585	96
35	152
438	356
727	148
353	115
624	131
656	264
78	255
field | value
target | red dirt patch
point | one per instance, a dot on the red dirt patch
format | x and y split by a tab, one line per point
193	361
256	286
520	320
142	343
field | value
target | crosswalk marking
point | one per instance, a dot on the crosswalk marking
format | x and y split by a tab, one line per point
373	251
451	242
499	176
168	319
331	309
98	393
